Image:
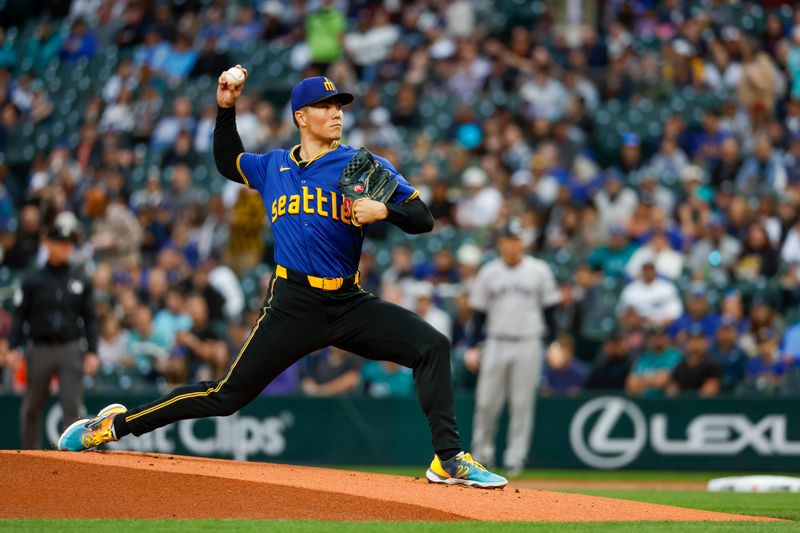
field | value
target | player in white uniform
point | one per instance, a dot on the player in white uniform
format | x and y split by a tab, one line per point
515	297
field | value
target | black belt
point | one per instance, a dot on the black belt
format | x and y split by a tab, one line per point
325	284
53	341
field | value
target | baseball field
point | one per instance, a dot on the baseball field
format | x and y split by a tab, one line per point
120	491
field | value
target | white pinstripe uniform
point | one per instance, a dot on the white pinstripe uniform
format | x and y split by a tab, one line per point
513	299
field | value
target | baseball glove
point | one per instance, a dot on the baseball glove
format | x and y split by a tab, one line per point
364	177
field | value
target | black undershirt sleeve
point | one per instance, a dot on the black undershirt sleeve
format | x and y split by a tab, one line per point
227	144
476	332
552	324
412	217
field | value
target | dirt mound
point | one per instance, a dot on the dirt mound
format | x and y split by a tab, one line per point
135	485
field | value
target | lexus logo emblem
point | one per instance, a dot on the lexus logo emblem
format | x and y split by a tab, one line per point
592	426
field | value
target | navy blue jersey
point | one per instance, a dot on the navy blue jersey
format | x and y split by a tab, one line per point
311	223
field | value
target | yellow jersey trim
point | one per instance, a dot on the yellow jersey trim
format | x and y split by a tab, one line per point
334	146
413	195
239	168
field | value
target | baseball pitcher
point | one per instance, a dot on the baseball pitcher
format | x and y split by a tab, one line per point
318	195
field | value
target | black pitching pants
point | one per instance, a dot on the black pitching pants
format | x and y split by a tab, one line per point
297	320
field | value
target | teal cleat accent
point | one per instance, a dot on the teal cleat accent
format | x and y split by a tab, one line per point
86	433
463	470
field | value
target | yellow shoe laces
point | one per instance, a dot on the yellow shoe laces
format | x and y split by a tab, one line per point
468	458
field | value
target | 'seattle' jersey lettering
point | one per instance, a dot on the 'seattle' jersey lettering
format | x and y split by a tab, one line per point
311	222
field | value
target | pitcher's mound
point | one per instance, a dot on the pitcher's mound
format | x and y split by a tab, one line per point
136	485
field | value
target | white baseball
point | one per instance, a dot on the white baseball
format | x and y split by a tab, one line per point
234	76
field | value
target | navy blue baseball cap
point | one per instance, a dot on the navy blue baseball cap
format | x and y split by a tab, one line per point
512	228
317	89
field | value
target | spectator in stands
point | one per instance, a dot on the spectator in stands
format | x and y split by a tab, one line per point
652	191
790	251
615	202
214	300
656	300
726	169
709	140
173	318
697	313
150	353
210	59
117	235
400	271
147	109
214	231
542	92
246	245
183	193
652	371
668	163
758	258
538	185
761	316
124	78
204	355
716	253
224	280
697	372
135	25
21	246
330	372
246	28
764	168
43	46
384	379
181	153
371	42
759	84
168	128
425	307
480	204
120	116
79	43
768	371
150	54
612	365
726	353
111	345
613	257
154	292
563	373
325	29
668	262
592	308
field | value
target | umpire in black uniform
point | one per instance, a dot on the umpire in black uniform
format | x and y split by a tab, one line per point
56	323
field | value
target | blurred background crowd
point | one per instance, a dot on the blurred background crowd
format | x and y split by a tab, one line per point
651	150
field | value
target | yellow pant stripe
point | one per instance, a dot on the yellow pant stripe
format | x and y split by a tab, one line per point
222	382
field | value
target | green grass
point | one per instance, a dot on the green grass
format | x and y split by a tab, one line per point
776	504
579	475
306	526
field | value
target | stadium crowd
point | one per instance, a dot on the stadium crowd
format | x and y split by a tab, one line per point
651	151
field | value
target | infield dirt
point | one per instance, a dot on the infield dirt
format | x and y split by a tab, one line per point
49	484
